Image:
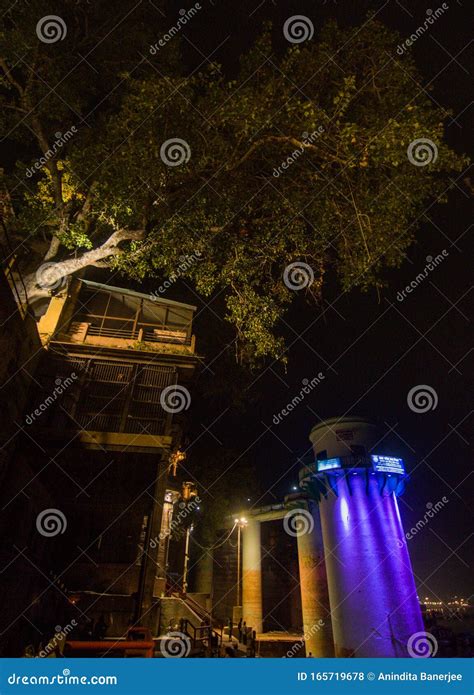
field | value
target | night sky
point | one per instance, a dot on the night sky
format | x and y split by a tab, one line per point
372	350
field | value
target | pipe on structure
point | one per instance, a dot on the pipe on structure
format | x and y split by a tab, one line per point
317	626
252	576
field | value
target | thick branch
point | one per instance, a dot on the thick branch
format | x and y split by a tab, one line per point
41	282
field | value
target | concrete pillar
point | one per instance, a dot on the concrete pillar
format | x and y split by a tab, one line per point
252	576
317	625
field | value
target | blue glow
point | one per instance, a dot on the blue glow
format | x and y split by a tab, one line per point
328	464
388	464
345	513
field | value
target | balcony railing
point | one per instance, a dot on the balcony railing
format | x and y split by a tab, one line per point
80	331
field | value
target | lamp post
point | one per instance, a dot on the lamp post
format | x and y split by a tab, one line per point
240	523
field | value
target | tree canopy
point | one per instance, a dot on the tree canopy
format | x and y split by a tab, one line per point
315	159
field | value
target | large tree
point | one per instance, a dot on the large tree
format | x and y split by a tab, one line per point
309	156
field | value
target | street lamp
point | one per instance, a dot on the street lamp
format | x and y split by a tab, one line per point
240	523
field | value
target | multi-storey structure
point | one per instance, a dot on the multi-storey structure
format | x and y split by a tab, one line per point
104	430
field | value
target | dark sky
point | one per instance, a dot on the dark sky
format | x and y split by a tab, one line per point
371	350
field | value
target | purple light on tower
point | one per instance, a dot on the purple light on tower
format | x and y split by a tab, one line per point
372	593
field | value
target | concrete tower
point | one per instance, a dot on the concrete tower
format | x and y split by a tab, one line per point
372	593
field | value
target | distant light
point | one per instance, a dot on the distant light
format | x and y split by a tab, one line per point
236	521
243	520
248	499
294	487
198	508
